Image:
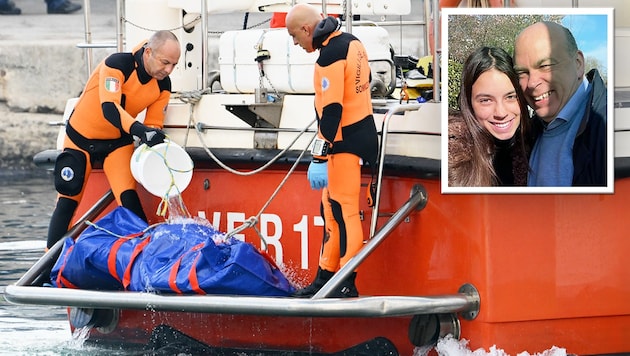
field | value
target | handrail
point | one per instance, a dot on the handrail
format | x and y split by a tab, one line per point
204	44
379	177
463	301
418	199
88	35
88	45
436	60
120	15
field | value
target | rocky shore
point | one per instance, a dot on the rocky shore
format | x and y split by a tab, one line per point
40	69
22	135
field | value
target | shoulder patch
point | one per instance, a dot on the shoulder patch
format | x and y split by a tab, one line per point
325	83
112	84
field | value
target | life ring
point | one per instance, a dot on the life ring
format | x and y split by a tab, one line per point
456	3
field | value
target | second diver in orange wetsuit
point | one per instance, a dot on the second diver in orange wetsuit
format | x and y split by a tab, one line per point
347	134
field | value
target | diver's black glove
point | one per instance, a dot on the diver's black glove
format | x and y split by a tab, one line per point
147	135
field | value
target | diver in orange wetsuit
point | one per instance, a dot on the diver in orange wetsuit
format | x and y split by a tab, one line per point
102	125
347	133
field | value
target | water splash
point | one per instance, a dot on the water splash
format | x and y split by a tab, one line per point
78	337
294	276
177	210
449	346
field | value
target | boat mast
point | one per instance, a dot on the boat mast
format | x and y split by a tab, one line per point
347	10
204	44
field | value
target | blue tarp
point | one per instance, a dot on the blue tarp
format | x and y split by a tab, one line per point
117	254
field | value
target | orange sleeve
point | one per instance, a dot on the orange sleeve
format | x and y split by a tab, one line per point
157	111
329	93
110	90
332	82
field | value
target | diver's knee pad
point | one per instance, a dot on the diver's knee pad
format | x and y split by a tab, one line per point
70	172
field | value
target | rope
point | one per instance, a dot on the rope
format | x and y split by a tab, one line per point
196	19
163	205
253	220
255	171
184	26
193	98
89	223
141	234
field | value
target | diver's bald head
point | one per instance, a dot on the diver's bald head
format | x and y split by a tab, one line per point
301	22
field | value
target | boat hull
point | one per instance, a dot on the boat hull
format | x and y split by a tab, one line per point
549	268
259	333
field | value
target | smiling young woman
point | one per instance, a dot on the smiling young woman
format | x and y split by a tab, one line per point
488	139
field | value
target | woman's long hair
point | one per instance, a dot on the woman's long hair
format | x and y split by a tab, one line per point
481	171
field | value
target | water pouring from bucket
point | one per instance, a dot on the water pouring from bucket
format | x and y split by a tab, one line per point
164	170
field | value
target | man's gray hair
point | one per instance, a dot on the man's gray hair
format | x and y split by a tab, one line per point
158	39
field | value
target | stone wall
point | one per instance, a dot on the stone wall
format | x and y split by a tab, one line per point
22	135
36	80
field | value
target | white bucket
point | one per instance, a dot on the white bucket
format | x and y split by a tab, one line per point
164	170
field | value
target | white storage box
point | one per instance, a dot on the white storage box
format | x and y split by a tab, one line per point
289	68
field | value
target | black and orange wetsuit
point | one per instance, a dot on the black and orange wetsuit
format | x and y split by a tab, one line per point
98	131
344	111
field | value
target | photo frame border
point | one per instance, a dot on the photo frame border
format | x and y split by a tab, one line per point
609	187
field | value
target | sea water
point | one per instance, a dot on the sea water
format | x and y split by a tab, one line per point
26	204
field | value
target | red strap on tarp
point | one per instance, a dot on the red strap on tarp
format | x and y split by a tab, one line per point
192	276
172	277
194	282
136	251
61	280
111	259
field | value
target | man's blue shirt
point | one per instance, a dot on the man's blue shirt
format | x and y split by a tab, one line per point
551	160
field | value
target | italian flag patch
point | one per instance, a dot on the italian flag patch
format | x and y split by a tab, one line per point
112	85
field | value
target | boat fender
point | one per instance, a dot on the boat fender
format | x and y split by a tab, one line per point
70	172
91	318
426	329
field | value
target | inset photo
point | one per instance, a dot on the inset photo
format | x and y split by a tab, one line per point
527	102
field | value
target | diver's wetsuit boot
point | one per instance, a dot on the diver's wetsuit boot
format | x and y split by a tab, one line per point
347	288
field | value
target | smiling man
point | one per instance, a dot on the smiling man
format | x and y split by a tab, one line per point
570	108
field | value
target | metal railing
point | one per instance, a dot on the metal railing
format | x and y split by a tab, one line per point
88	45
